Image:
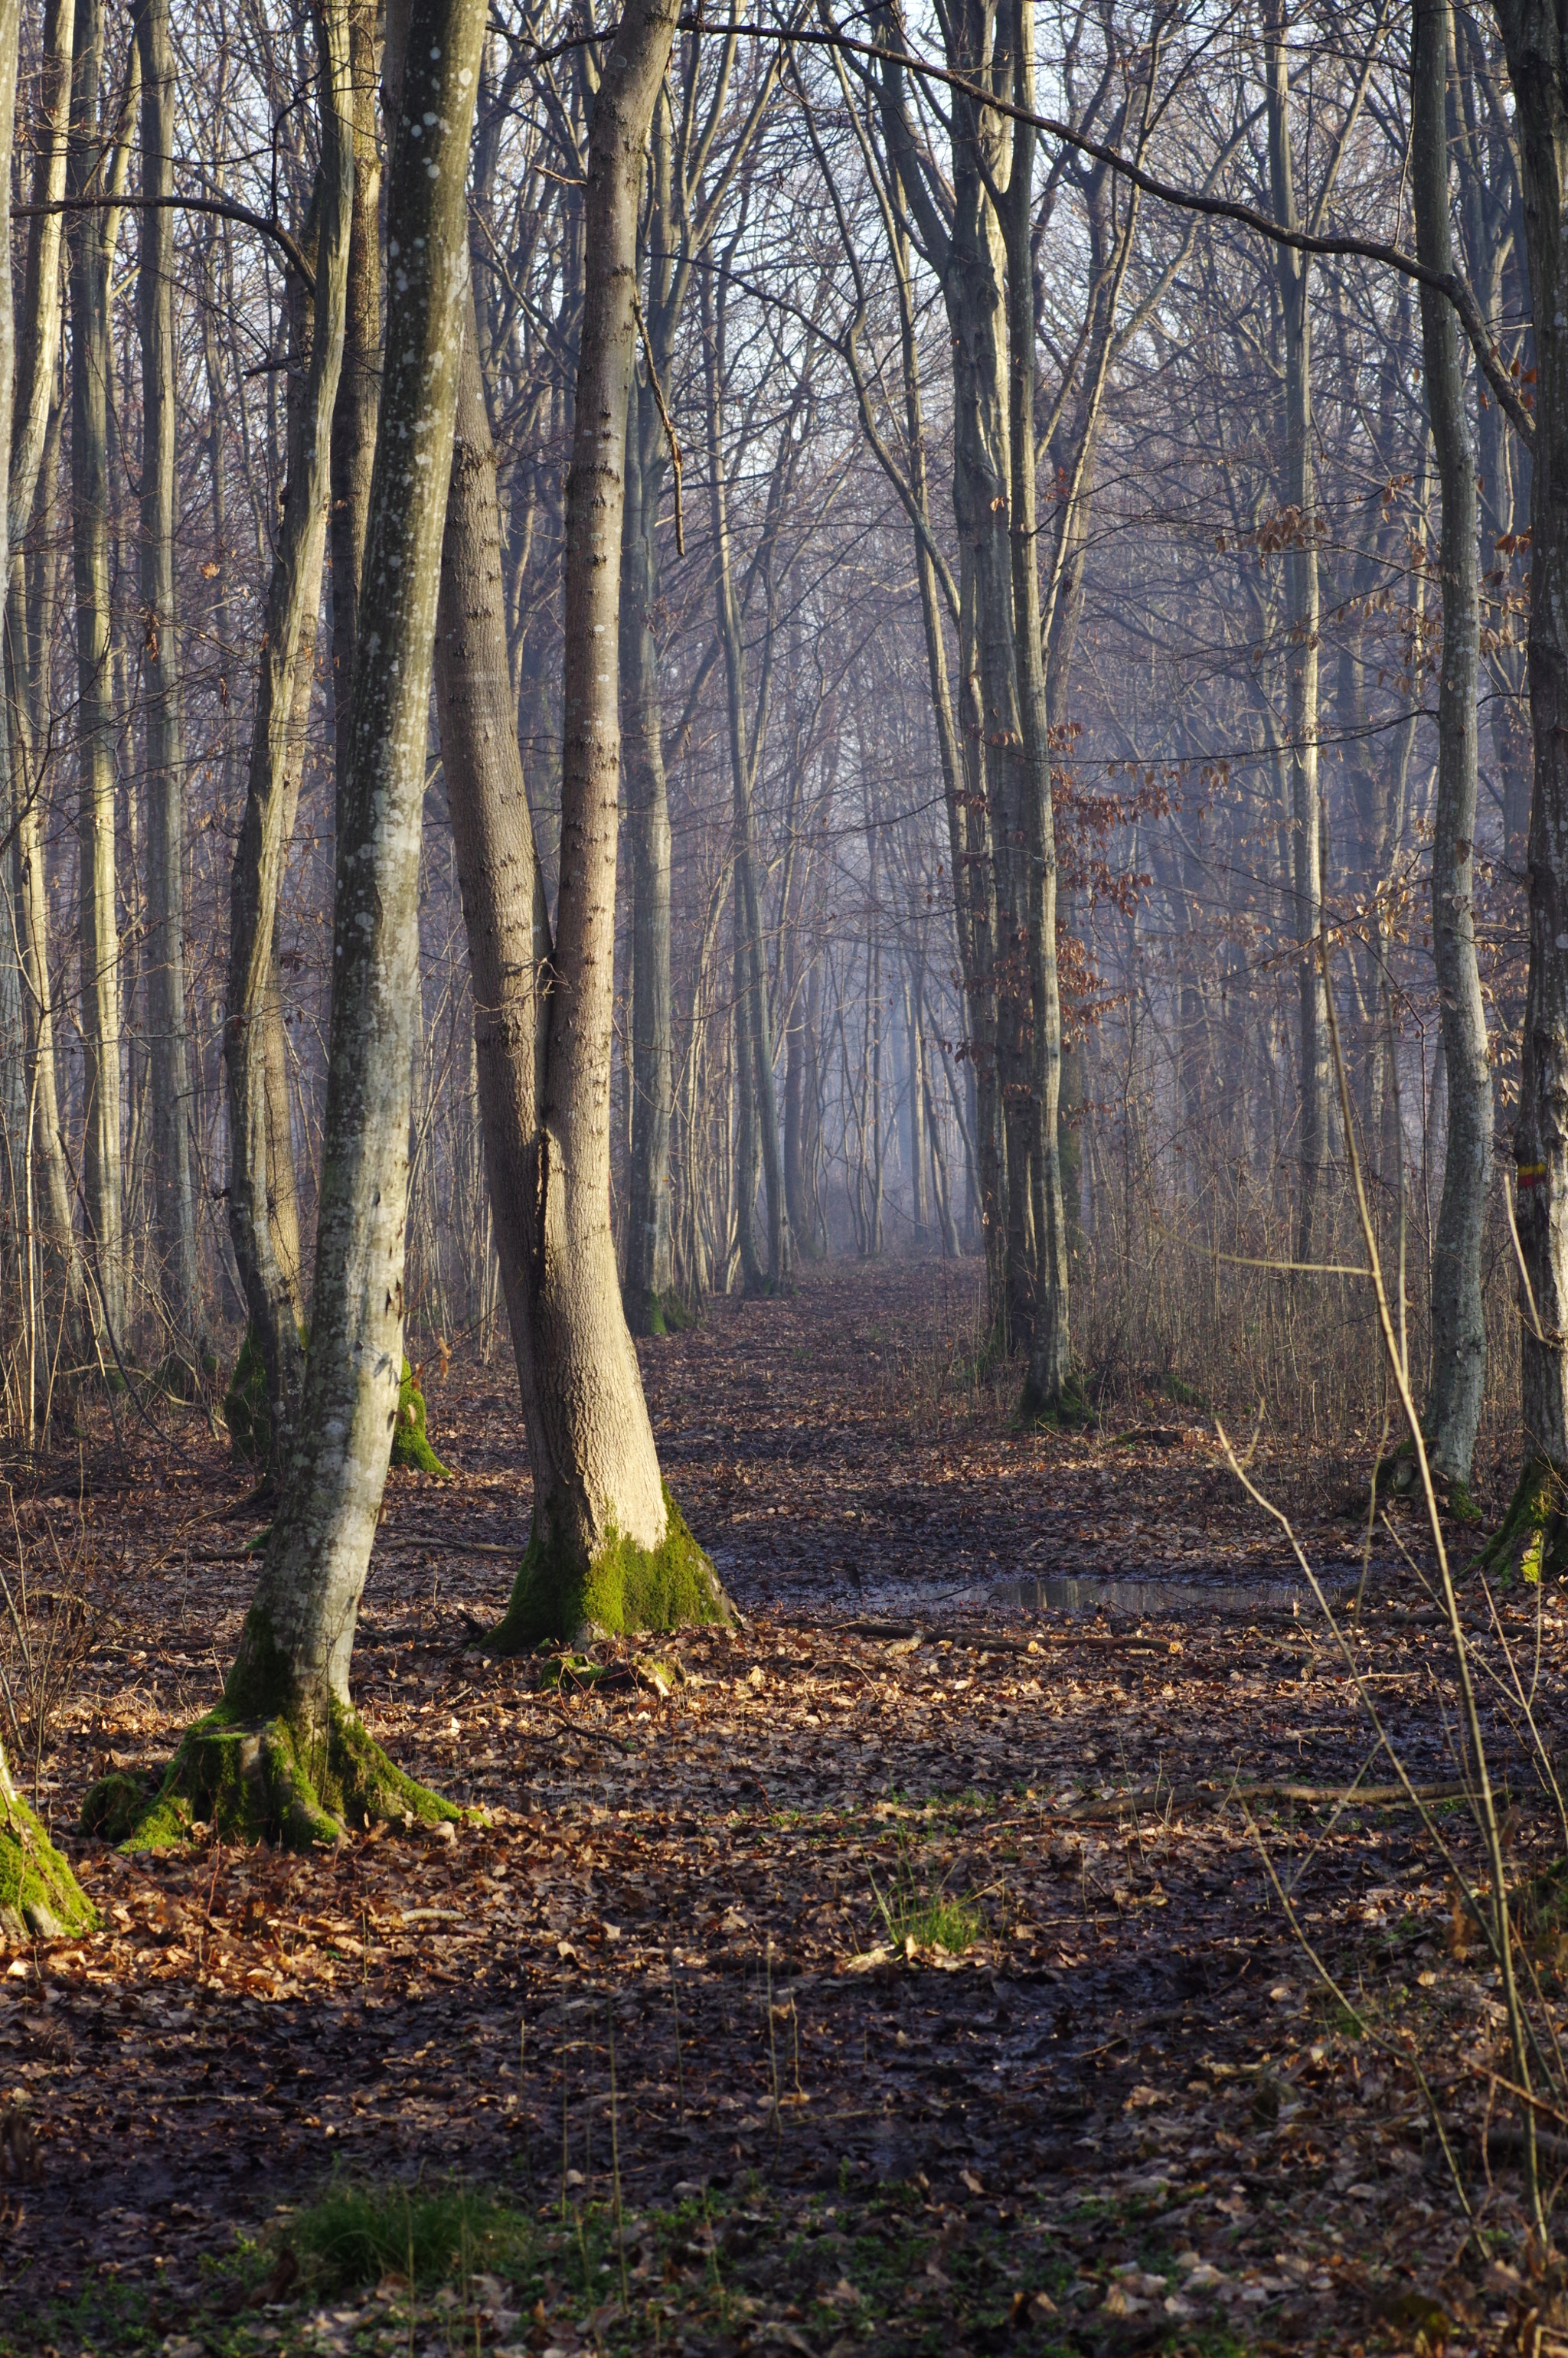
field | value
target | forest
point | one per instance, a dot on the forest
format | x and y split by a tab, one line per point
784	1161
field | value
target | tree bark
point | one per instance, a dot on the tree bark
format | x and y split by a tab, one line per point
286	1748
1050	1353
1538	68
164	953
650	1266
254	1085
1458	1323
1301	622
607	1547
98	924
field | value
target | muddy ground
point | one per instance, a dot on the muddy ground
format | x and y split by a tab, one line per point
924	1966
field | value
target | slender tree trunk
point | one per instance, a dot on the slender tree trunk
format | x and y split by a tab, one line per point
101	1186
359	381
257	1059
743	757
1302	619
164	952
33	446
649	1270
748	1148
1458	1324
1050	1355
38	1893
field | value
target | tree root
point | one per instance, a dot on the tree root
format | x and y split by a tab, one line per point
627	1587
270	1780
38	1893
1069	1410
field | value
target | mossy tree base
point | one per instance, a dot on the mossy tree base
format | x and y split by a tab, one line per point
1535	1528
627	1587
264	1780
410	1442
1398	1475
1068	1411
38	1893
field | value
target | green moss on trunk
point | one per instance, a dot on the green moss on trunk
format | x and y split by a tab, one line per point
246	1408
38	1893
1069	1410
1534	1532
260	1768
626	1587
410	1444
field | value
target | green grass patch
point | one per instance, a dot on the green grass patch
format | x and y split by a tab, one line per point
910	1908
356	2235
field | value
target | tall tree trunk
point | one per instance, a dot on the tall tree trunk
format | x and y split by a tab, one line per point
1458	1324
164	953
38	1893
744	752
608	1546
359	381
1050	1355
286	1749
1301	620
1538	68
650	1269
101	1189
33	446
258	1068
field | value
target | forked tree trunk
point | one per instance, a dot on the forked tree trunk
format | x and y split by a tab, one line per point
98	920
286	1749
164	953
255	1083
1458	1323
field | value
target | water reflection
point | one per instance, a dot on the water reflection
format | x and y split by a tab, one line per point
1158	1599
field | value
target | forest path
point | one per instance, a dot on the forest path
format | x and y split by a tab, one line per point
1108	2053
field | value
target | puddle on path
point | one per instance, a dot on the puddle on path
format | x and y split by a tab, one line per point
1157	1599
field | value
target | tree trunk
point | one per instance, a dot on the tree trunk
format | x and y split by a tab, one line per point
1538	69
285	1750
650	1269
33	445
608	1546
164	952
745	748
101	1191
1458	1324
1046	1386
258	1087
359	381
1302	618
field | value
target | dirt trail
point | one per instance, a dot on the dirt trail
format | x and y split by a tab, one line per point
1110	2046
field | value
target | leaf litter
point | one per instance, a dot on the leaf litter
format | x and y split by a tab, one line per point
900	1972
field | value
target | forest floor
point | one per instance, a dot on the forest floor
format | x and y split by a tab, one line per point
913	1975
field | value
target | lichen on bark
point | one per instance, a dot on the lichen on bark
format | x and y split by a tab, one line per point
622	1588
38	1893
